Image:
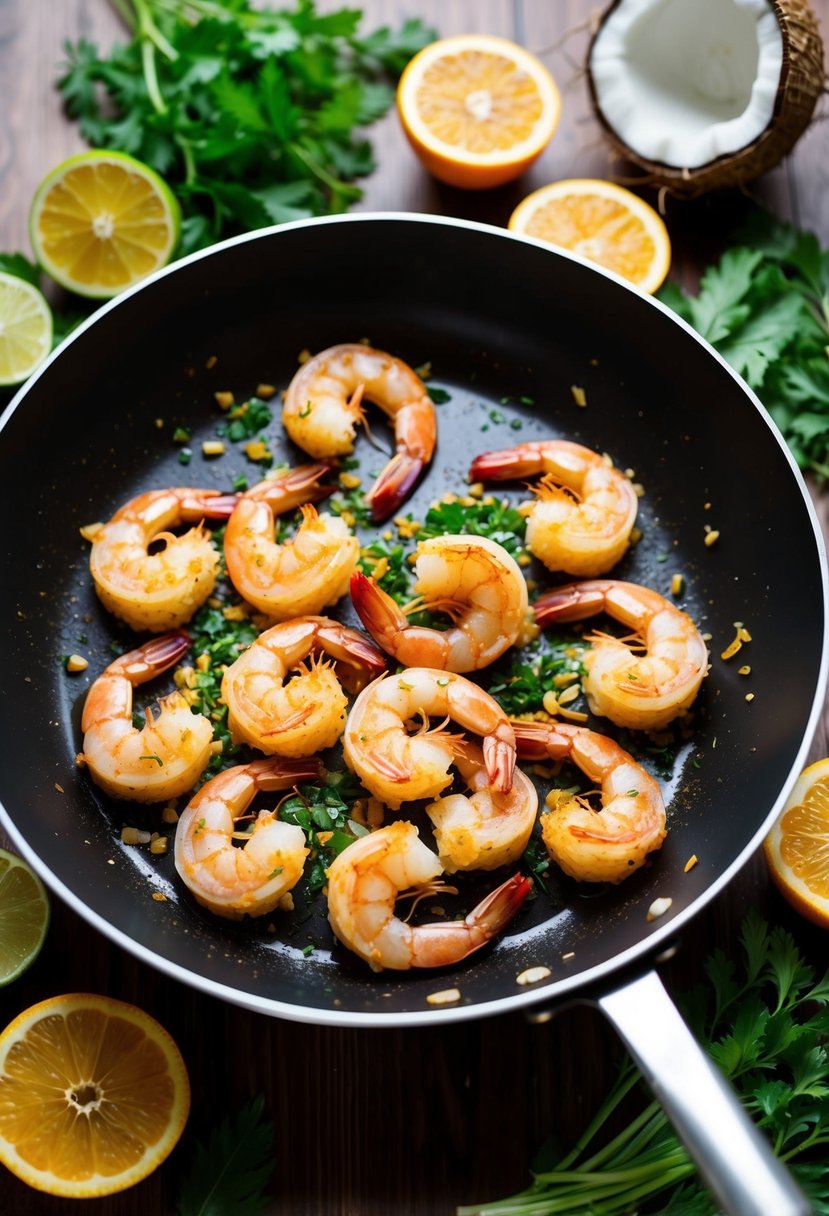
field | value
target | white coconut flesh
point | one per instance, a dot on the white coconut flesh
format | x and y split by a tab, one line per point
683	82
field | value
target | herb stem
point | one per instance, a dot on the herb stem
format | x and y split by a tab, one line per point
334	184
628	1078
125	12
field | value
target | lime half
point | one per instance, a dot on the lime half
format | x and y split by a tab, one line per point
24	916
25	329
101	221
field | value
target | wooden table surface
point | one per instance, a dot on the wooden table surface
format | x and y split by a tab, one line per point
408	1121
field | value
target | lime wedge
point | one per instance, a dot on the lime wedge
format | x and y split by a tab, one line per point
101	221
25	329
24	916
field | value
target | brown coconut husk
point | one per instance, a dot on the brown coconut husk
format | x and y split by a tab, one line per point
802	81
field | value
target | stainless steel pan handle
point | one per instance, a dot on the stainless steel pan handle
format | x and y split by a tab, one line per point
732	1155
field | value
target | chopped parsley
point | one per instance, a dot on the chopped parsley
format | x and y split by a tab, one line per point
519	680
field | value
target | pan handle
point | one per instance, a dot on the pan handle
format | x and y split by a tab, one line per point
732	1155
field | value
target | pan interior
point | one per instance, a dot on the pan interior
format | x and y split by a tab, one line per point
509	330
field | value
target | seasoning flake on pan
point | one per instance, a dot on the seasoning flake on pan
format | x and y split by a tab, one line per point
448	996
659	907
533	975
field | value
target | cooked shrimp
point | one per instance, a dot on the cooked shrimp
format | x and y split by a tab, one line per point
482	829
596	846
364	882
642	682
305	573
581	519
158	591
167	755
323	406
307	713
472	579
397	766
251	880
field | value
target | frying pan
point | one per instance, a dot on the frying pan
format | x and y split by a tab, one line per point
508	326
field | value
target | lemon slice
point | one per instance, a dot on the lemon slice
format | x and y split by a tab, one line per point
477	110
25	329
797	847
94	1095
24	916
603	222
102	221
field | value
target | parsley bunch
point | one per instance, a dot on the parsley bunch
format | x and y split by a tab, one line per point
765	307
252	115
764	1021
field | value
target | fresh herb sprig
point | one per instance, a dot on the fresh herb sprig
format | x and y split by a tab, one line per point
765	307
764	1020
232	1167
252	115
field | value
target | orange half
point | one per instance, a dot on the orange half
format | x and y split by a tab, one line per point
477	109
600	221
94	1095
797	847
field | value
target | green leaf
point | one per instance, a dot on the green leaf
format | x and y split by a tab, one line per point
20	266
720	307
241	102
392	49
286	201
762	338
230	1170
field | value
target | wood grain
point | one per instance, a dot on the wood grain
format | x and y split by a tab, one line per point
373	1122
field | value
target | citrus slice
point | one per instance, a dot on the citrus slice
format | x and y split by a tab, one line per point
602	222
477	109
101	221
94	1094
24	915
25	329
797	847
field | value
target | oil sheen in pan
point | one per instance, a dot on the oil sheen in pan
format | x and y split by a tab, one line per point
478	423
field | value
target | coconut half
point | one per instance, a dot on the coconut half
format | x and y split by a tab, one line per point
705	93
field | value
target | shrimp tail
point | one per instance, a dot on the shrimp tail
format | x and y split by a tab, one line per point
394	485
574	602
295	487
509	464
154	657
205	504
542	740
498	908
357	660
382	617
280	773
499	758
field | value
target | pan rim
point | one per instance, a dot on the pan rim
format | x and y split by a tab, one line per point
648	946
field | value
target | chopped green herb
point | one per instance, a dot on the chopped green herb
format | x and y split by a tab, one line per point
492	517
182	434
439	395
185	456
157	759
520	679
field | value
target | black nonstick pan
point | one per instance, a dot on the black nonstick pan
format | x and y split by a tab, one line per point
508	327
